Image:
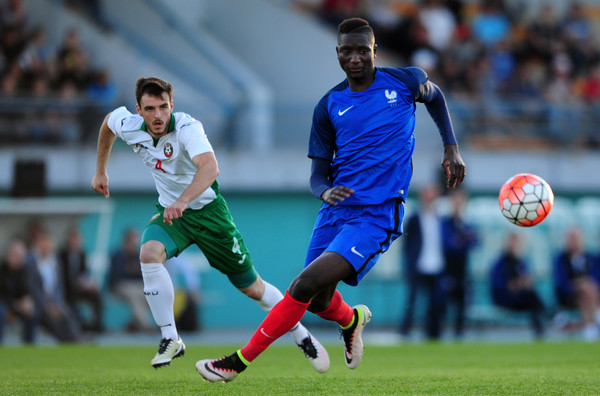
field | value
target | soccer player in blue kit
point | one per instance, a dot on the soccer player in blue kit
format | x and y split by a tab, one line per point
361	145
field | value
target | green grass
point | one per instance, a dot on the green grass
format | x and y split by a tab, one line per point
567	368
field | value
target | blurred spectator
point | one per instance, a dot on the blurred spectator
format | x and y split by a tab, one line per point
36	58
512	285
16	297
439	23
564	110
72	62
12	44
40	86
186	281
458	238
46	278
423	254
13	14
543	34
333	12
502	63
491	25
579	37
10	82
79	285
589	91
413	34
523	92
35	229
576	282
125	281
102	91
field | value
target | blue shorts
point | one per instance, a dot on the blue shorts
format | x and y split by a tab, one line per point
360	234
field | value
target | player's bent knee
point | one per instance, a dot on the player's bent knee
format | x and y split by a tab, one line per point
303	289
153	252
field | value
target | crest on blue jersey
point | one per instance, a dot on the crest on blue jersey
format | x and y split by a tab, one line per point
391	96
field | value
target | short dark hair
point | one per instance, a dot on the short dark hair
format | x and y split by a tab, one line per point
354	25
153	86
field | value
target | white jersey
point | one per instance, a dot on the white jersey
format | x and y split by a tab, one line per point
170	160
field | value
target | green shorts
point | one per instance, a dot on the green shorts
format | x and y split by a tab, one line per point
212	229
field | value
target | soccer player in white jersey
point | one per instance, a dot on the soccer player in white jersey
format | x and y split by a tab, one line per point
361	145
190	210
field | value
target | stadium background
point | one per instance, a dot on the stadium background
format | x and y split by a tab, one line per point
252	71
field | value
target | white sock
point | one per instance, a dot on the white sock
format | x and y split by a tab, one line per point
271	297
160	295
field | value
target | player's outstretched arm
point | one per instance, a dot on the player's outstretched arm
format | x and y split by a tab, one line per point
453	165
106	139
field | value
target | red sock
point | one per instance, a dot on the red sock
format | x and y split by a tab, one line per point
339	311
281	319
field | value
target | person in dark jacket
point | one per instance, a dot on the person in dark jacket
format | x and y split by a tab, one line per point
48	291
512	285
459	237
16	297
78	284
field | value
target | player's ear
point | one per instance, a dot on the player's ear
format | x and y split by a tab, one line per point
374	50
139	110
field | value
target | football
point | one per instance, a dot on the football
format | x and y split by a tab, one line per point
526	199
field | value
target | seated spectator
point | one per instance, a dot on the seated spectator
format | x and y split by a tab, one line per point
46	280
543	33
332	12
72	62
12	44
512	285
578	35
125	281
102	91
79	285
36	56
16	297
13	13
439	22
576	282
491	25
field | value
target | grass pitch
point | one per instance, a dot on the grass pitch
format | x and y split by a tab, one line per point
566	368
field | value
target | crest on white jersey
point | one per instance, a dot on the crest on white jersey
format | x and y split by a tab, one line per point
391	96
168	150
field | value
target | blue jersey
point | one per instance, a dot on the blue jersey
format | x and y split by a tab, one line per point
369	136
